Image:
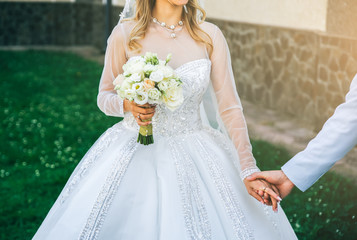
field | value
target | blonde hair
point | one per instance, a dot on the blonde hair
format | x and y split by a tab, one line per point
191	21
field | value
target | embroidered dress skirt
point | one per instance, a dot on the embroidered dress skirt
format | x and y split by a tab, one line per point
180	187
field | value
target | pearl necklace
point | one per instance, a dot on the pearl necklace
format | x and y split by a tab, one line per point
171	28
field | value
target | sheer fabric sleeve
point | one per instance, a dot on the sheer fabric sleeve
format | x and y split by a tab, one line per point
229	105
107	100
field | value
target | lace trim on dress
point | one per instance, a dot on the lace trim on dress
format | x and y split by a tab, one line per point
248	171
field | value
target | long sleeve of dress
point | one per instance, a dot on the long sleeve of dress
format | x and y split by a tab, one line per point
107	100
229	105
337	137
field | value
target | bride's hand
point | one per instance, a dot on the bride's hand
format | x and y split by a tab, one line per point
141	113
263	192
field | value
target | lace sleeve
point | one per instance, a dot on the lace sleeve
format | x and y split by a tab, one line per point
107	100
229	105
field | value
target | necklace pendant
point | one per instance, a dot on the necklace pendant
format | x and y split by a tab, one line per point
172	27
173	35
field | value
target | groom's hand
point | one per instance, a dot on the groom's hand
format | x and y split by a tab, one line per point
278	178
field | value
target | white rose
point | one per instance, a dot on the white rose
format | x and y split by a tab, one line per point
157	76
154	94
173	83
130	94
167	71
173	98
123	88
138	87
129	64
148	68
125	85
118	80
163	85
141	98
138	67
121	94
135	77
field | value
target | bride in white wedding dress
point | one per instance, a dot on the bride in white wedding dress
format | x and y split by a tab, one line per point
189	183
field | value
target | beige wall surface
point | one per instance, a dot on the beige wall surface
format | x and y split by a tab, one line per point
342	18
118	2
299	14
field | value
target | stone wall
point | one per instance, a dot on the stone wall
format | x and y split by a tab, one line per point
49	23
301	73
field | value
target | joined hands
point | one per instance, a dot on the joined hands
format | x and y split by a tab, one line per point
274	186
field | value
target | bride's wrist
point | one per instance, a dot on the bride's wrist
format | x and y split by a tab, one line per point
248	171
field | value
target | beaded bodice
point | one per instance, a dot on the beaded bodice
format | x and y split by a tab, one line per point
201	69
185	119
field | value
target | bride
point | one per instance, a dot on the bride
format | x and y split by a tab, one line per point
190	183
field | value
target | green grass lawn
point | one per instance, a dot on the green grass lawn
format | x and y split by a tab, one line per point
49	119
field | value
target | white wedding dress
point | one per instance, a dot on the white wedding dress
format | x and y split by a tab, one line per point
187	184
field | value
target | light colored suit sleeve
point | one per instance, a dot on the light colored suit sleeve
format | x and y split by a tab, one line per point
337	137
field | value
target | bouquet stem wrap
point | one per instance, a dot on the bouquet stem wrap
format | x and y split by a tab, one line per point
145	134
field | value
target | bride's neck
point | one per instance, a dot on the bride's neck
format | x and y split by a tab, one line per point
166	12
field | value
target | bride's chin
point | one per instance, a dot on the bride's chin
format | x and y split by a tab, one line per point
178	2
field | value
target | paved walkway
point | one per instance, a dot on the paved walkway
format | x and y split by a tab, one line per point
285	131
262	123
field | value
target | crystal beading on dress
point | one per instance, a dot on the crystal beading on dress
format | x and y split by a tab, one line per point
197	223
105	198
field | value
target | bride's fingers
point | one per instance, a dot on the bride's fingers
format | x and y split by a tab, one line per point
268	202
142	110
275	204
272	193
277	191
140	121
146	116
266	198
256	196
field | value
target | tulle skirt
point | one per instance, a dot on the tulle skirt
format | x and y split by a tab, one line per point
180	187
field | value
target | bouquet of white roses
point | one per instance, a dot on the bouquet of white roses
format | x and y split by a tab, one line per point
147	79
